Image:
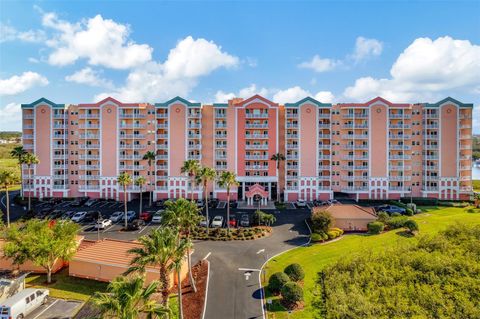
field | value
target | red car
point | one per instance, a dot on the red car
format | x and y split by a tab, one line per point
233	221
146	216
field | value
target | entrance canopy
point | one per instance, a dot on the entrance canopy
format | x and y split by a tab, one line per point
257	190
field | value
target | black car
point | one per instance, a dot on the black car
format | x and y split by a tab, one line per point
44	212
92	216
136	224
55	214
212	203
79	201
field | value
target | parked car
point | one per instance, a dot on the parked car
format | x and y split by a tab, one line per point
131	215
135	224
301	203
21	304
160	203
233	221
92	216
146	216
103	223
333	201
217	221
67	215
390	209
116	217
79	201
55	214
90	202
157	217
78	217
204	221
200	203
212	203
244	220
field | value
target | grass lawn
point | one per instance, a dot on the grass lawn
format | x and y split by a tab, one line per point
316	257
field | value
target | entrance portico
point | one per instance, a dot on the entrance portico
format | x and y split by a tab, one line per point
258	193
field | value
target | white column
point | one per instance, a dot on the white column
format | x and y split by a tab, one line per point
270	190
243	190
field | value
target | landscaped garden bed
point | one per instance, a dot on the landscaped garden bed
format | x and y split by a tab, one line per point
241	233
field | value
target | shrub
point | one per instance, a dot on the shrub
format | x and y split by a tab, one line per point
340	231
277	281
396	214
383	217
411	225
316	237
409	212
294	272
397	222
292	293
375	227
333	234
321	221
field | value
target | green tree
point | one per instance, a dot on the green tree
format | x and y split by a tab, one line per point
7	179
183	215
278	158
30	160
178	260
124	180
206	175
140	182
191	168
44	242
150	157
19	153
128	298
227	180
321	221
159	248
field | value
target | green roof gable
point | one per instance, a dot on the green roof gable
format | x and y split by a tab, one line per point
308	99
177	99
449	99
43	101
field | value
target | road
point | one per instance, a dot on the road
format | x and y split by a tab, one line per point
234	288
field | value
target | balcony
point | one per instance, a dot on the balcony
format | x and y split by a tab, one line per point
257	167
255	126
431	157
430	115
194	146
256	136
324	126
28	116
60	186
219	135
131	126
28	126
194	135
431	126
400	157
292	136
292	146
291	188
430	167
324	167
323	157
399	126
89	126
89	136
59	115
465	126
27	136
398	136
28	146
353	146
292	125
466	147
431	136
399	116
162	146
292	115
400	168
256	157
399	188
465	168
59	136
354	189
62	166
132	167
194	156
430	147
292	157
161	167
323	115
355	178
195	114
400	147
324	177
429	189
89	146
323	136
355	157
323	146
292	167
59	126
220	125
89	167
89	177
162	125
465	137
132	116
256	115
162	156
355	126
291	177
355	136
162	115
132	157
132	136
89	116
89	157
162	136
88	187
221	166
194	125
221	146
220	115
220	156
400	178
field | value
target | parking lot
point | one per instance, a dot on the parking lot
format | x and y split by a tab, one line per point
56	308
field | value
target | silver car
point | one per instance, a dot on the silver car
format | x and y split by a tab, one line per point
217	221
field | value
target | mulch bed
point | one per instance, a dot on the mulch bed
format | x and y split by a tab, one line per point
193	302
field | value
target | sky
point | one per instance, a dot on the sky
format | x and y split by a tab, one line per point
210	51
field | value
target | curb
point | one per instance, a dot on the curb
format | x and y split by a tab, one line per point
262	289
206	290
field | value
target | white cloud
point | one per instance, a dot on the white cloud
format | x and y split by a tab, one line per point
427	69
365	48
223	97
20	83
246	92
190	60
325	96
10	116
290	95
89	77
101	41
9	33
33	60
319	64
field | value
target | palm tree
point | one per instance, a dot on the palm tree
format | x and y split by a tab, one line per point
30	160
19	153
140	181
183	215
226	180
128	298
278	157
124	180
7	179
178	260
159	248
205	175
191	168
150	157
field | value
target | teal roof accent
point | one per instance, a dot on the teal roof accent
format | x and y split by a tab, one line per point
177	99
308	99
449	99
44	101
220	104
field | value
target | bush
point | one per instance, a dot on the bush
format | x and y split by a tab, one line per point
277	281
294	272
375	227
292	293
396	214
316	237
340	231
397	222
321	221
409	212
261	218
411	225
383	217
333	234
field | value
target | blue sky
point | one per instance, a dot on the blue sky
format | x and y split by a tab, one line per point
82	51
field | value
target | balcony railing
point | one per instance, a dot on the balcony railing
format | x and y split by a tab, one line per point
132	116
194	146
256	115
132	167
89	167
256	136
292	115
253	126
90	157
89	146
256	157
135	125
256	167
89	126
89	116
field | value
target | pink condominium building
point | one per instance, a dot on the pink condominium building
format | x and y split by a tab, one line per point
372	150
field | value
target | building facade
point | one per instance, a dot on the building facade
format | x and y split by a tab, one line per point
372	150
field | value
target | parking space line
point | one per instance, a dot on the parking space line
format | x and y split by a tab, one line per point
108	228
207	255
144	227
41	313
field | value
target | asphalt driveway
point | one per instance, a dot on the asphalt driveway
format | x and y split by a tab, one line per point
234	288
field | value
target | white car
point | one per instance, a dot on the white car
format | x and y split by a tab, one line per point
102	224
116	217
23	303
78	217
217	221
301	203
203	222
157	217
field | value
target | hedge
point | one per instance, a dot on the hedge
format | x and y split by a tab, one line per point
375	227
397	222
277	281
294	272
292	293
